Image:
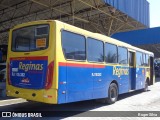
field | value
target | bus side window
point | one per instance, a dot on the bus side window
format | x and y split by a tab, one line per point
139	59
110	53
73	46
122	55
95	52
146	59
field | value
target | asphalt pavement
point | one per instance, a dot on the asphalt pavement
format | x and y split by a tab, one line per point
134	101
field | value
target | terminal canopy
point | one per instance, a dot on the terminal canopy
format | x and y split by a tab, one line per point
98	16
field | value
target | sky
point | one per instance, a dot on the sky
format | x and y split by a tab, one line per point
154	13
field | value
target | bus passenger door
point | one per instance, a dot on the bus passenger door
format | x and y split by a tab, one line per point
132	71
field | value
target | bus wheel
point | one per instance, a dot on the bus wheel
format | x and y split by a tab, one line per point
146	86
112	93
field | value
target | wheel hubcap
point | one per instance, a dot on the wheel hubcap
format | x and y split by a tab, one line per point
113	93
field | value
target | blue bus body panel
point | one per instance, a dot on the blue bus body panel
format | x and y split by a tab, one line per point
137	9
85	83
62	87
140	78
79	84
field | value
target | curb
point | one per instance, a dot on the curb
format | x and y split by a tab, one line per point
11	101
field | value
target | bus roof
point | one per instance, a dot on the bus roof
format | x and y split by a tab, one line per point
101	37
86	33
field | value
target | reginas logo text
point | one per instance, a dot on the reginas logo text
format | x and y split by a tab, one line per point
30	66
120	71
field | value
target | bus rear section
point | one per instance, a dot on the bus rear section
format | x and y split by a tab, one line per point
30	64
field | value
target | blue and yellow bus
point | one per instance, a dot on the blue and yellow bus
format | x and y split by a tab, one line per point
53	62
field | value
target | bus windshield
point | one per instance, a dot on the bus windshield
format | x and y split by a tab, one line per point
30	38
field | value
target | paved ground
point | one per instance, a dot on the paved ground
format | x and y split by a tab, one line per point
135	101
2	89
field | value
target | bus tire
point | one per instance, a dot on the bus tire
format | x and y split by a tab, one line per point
146	86
112	93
